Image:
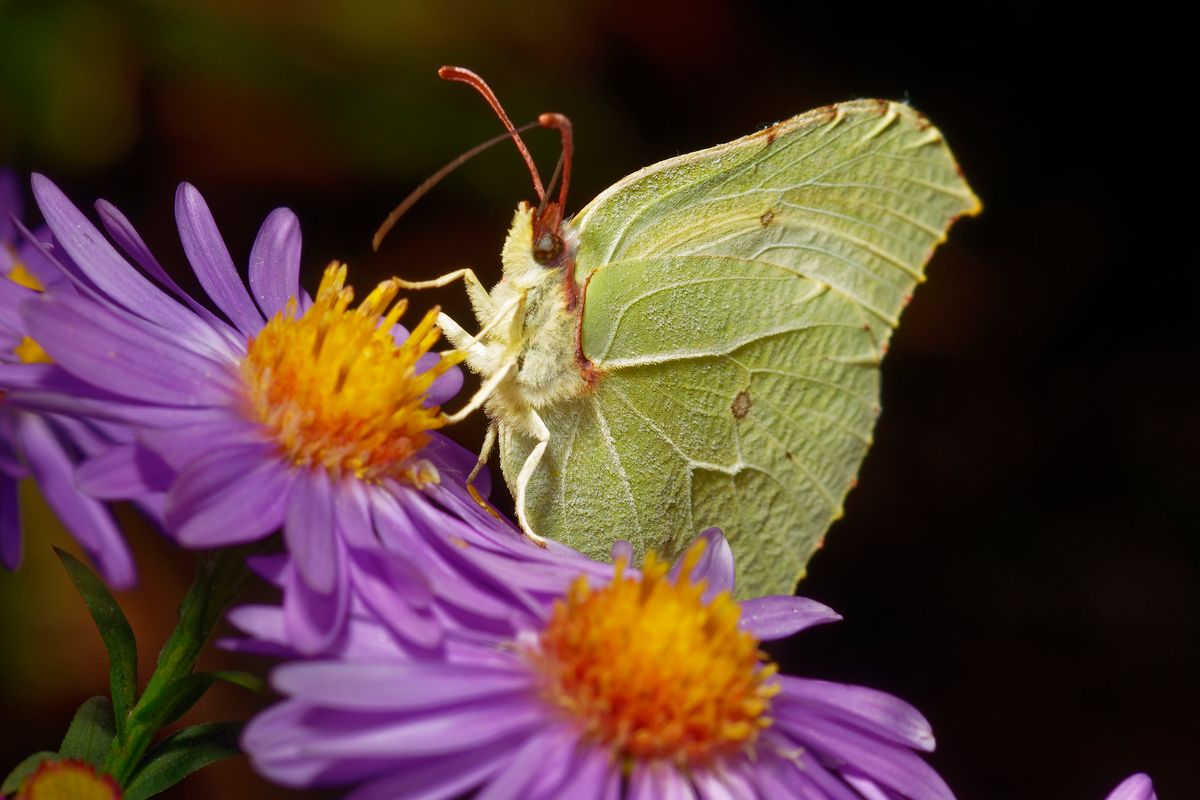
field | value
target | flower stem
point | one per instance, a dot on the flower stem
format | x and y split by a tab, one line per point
220	576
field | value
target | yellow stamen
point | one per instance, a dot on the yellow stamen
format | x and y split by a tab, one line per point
334	388
29	351
23	277
651	671
68	780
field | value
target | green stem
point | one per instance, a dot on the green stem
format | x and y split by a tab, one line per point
220	577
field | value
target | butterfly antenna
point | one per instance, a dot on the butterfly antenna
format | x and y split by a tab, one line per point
563	125
434	179
550	184
463	75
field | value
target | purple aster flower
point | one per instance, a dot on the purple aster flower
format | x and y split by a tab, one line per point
647	686
1135	787
46	446
302	413
462	569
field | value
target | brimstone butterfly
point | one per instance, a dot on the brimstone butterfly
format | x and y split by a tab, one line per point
700	345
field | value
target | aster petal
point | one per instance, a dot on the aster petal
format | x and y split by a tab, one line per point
313	619
452	459
109	349
210	259
12	295
875	711
716	783
444	386
896	768
658	780
180	445
400	534
1135	787
864	786
395	687
86	518
10	462
769	782
722	783
279	743
271	568
275	262
124	472
10	523
104	267
229	496
813	780
622	551
360	639
448	730
18	376
32	247
393	589
547	752
822	782
593	774
126	236
438	778
778	616
49	389
352	513
260	621
308	530
715	564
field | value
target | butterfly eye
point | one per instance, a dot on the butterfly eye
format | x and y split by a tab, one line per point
547	248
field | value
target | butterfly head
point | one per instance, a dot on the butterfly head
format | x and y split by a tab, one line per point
534	252
547	241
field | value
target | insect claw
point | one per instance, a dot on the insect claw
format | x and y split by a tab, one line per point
538	540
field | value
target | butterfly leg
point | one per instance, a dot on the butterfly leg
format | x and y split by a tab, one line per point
542	434
489	441
481	301
480	397
458	336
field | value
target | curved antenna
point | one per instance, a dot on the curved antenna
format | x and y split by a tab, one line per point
464	75
433	180
560	123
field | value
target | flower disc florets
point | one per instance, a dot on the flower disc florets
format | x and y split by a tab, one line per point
335	389
652	670
68	779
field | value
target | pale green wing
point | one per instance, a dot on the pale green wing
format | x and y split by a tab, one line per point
738	303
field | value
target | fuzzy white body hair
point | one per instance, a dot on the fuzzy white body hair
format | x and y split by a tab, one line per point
527	328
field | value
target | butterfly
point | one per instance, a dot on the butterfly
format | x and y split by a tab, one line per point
700	345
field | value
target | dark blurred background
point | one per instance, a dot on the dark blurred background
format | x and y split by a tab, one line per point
1020	559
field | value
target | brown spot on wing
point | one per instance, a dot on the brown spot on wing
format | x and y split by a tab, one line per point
741	405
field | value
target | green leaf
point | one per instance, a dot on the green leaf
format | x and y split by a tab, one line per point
178	697
23	770
181	754
114	630
91	733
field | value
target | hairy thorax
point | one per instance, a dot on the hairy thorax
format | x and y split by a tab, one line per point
531	326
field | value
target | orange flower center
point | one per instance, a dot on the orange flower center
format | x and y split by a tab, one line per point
335	389
653	672
68	780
